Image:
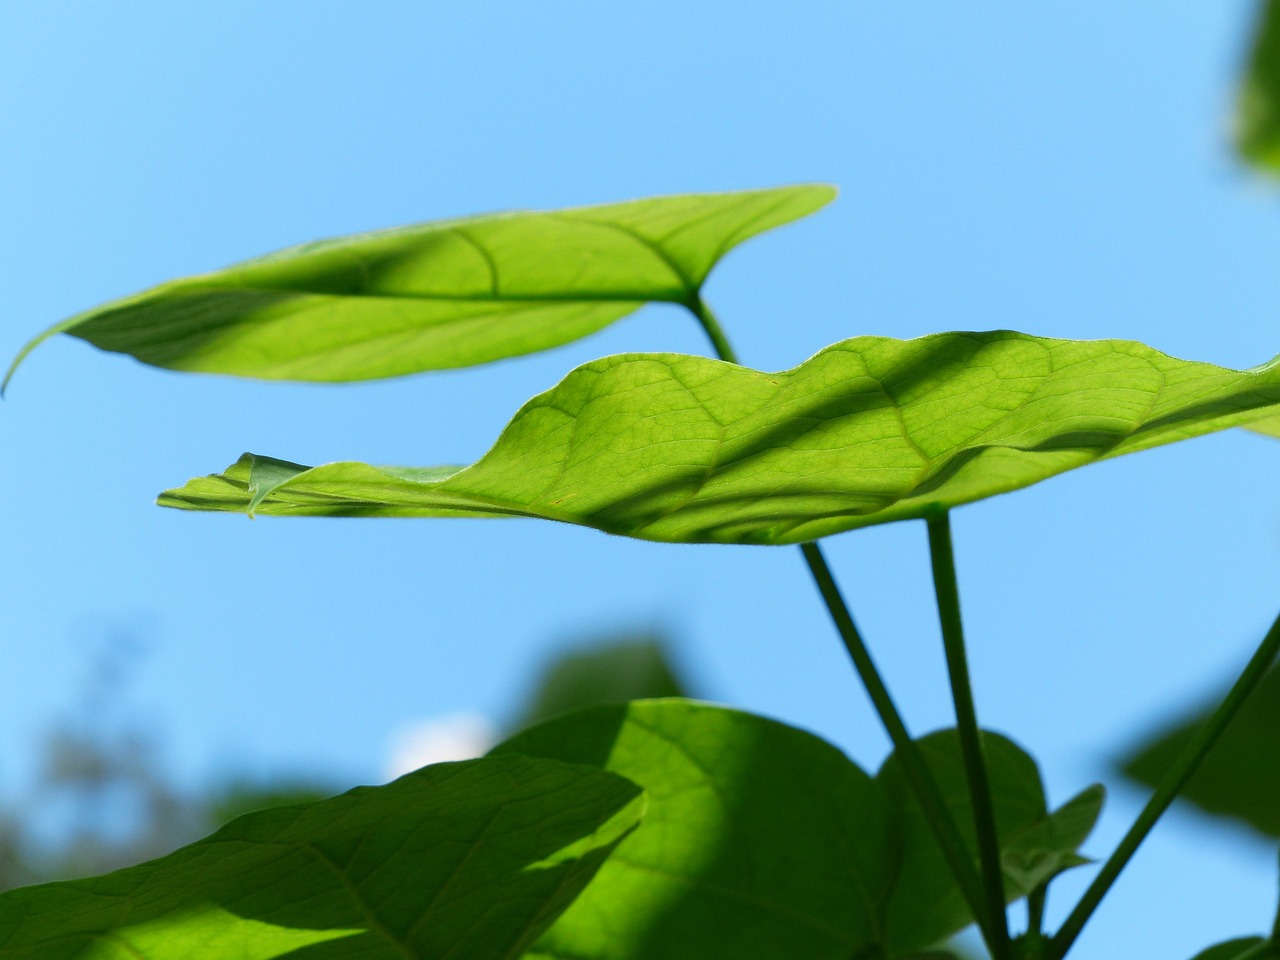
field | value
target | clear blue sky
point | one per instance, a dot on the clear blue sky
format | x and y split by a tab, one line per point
1061	171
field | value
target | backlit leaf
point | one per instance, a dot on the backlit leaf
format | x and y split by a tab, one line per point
465	860
760	841
685	449
437	295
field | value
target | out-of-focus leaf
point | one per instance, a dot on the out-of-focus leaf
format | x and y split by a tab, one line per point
871	430
1239	949
465	860
760	841
613	671
926	906
1240	778
239	797
437	295
1258	119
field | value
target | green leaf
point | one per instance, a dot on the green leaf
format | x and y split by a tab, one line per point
760	841
613	671
465	860
926	906
437	295
871	430
1240	778
1258	117
1035	855
1239	949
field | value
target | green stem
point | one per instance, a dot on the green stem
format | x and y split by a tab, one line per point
724	350
917	772
1167	790
984	818
1035	919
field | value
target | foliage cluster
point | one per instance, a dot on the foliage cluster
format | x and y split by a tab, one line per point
660	828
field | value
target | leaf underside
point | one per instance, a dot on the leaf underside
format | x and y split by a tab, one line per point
871	430
762	841
465	860
436	295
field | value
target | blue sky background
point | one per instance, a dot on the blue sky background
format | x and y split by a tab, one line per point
1063	171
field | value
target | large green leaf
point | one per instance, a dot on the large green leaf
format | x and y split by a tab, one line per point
686	449
1240	778
760	841
465	860
437	295
763	842
926	905
1258	120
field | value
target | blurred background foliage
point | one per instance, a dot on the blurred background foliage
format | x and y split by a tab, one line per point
102	798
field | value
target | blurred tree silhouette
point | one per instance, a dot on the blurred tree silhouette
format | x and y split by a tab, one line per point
102	785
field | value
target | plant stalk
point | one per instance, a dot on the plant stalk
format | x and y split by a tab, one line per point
1167	790
919	779
715	333
1035	916
947	590
917	772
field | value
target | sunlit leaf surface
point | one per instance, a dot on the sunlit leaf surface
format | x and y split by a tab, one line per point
686	449
762	841
464	860
437	295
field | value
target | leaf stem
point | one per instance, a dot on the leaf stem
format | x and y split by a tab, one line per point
715	333
1167	790
917	772
945	587
1035	914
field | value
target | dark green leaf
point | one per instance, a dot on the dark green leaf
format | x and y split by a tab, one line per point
465	860
447	294
760	841
240	796
1240	778
926	905
1258	123
613	671
686	449
1239	949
